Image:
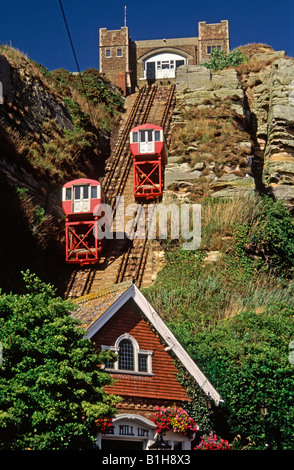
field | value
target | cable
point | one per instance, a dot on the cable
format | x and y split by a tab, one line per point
76	60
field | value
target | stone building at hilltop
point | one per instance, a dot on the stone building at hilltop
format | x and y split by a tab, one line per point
130	64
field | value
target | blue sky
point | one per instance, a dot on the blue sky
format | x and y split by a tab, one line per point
36	27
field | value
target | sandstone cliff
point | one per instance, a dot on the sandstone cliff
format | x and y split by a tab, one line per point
260	95
209	120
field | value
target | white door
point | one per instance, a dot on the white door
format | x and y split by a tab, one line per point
81	200
146	141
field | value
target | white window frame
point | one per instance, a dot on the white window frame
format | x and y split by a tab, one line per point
137	352
106	53
214	48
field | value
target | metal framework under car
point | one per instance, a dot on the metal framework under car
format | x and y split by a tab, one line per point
80	198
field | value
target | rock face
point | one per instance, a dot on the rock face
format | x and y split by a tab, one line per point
198	87
278	172
27	103
262	94
40	148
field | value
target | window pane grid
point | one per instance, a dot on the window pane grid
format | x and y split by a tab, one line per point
126	355
142	363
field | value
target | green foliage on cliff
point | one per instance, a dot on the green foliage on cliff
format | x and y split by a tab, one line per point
56	122
101	101
234	316
52	389
273	236
247	359
219	60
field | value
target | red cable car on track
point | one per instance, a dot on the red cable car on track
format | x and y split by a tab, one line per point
80	198
149	153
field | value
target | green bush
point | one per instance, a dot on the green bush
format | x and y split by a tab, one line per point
246	358
272	236
234	317
219	60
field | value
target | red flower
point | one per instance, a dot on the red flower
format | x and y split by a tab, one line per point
174	419
104	425
213	442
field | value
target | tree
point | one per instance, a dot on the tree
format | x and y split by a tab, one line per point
51	384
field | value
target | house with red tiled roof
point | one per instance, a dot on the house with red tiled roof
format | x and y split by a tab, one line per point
121	319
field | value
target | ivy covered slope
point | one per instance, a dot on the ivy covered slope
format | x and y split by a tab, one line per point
54	387
55	126
231	302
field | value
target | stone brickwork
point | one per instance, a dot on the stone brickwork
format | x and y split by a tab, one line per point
115	56
122	60
212	36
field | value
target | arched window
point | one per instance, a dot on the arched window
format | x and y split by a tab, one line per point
131	359
126	355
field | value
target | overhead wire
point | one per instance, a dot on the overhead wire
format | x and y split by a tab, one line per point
76	61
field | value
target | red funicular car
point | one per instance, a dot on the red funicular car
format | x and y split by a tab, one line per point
80	198
149	153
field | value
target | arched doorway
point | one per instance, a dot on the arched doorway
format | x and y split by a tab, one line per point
162	66
129	432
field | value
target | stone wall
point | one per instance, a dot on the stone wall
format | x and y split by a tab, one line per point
114	54
183	46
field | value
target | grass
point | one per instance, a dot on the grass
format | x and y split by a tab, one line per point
202	295
190	289
39	223
219	217
211	135
94	108
254	64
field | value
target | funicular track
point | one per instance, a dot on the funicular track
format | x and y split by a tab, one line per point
124	258
135	258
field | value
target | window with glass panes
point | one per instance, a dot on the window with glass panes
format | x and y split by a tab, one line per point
126	355
130	356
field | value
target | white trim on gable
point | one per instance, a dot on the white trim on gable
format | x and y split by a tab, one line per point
134	293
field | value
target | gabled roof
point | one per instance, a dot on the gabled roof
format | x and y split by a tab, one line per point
92	306
95	309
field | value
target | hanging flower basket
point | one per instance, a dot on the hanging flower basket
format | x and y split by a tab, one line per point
174	419
213	442
104	425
